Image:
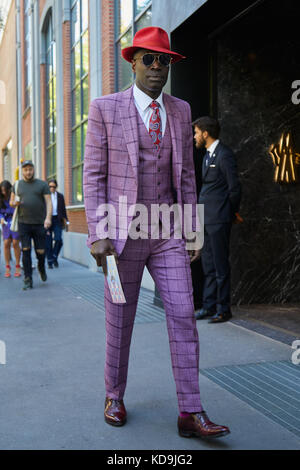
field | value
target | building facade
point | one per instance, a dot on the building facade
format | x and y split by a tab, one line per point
58	55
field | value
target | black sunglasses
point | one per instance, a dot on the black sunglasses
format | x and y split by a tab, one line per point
148	59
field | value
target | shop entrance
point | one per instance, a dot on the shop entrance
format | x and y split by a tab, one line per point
243	59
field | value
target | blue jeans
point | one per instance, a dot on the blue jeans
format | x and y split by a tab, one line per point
52	251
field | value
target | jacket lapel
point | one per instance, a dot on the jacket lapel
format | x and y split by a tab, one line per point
176	138
130	130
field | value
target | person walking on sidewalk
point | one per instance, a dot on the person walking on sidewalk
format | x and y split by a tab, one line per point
9	237
139	145
34	218
59	221
221	195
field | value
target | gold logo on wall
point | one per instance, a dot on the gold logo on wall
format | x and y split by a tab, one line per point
285	160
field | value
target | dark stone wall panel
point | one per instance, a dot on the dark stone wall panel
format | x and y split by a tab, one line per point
257	61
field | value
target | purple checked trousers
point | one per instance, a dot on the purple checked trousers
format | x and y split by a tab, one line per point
169	265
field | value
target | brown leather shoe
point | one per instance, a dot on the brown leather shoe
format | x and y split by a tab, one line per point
221	317
115	412
199	425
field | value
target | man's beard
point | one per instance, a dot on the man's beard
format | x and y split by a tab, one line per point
201	144
28	178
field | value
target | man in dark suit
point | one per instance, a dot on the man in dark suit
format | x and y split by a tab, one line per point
220	194
59	221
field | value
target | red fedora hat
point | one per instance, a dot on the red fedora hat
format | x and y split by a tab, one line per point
151	38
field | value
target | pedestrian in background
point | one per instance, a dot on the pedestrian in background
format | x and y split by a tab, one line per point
221	195
34	214
9	237
59	222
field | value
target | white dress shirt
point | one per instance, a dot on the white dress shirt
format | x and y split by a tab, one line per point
213	147
142	103
54	203
211	150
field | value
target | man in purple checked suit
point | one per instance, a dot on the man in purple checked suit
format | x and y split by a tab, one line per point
139	146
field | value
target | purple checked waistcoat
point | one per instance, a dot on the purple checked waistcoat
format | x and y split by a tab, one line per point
155	185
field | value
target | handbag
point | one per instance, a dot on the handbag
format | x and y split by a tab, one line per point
14	226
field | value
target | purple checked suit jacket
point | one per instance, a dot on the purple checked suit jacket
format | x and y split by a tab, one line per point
112	156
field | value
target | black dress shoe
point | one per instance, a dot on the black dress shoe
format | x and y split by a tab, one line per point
55	263
50	266
221	317
204	313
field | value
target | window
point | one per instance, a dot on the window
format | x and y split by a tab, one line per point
131	16
79	76
28	151
27	38
50	101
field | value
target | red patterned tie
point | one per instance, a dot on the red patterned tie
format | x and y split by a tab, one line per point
155	125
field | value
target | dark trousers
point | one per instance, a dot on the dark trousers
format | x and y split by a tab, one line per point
37	233
216	267
55	230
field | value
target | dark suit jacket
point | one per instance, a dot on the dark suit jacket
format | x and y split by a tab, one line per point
221	189
61	207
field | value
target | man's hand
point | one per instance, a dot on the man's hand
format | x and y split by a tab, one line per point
2	221
14	200
47	223
194	255
100	249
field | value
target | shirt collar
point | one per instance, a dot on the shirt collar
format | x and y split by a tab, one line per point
143	100
213	146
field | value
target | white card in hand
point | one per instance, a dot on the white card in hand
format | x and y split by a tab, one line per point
114	282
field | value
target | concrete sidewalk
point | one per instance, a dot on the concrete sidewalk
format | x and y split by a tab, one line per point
52	386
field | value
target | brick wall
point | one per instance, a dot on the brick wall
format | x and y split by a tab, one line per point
108	50
8	110
66	45
77	221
